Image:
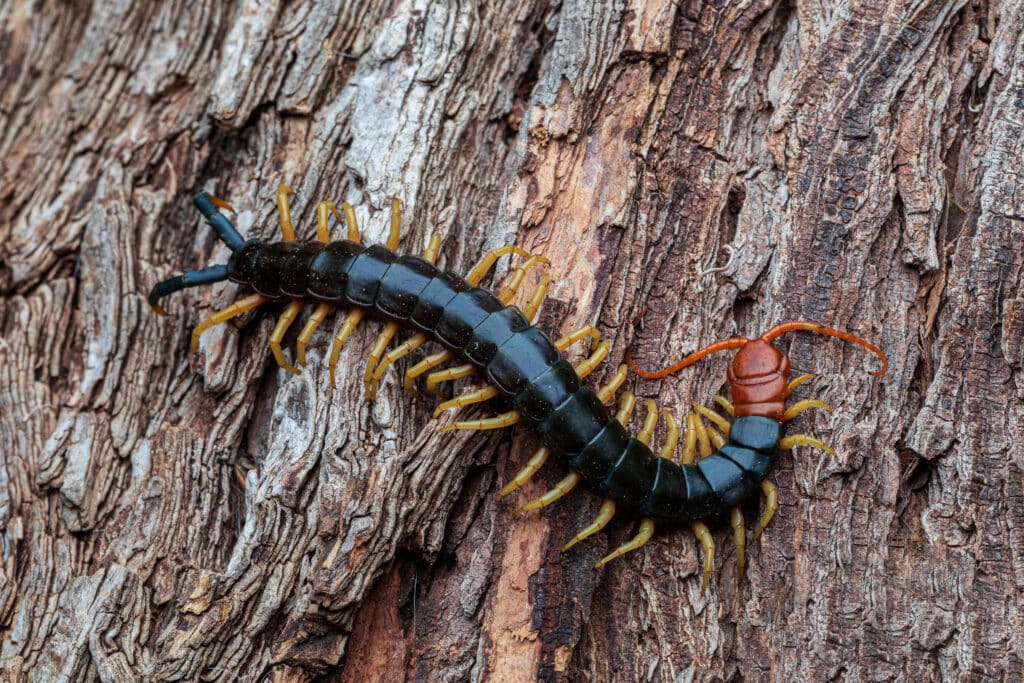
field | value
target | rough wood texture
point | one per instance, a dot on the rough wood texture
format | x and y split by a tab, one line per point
718	167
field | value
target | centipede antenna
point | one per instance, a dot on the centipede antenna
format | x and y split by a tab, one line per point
724	345
803	326
227	233
190	278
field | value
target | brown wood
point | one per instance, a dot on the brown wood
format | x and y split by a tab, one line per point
705	169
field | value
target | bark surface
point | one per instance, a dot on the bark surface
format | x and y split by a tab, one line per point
712	167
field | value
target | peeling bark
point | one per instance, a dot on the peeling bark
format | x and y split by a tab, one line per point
713	167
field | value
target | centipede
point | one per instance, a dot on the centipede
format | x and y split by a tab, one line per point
722	465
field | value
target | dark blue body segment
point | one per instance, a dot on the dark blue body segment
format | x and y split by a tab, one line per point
521	362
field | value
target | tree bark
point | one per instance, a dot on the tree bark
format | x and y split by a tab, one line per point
693	171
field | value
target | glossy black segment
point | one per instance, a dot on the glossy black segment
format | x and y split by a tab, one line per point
754	463
365	273
730	484
759	433
546	392
435	297
520	360
328	270
667	499
463	314
246	263
574	423
402	285
633	476
294	267
595	462
496	329
700	502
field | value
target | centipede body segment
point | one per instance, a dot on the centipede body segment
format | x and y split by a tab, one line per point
494	340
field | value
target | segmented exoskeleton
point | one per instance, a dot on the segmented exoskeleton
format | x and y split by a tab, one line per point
498	342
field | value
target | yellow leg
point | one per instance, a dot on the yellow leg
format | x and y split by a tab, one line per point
690	445
797	382
801	406
739	537
351	224
497	422
595	359
238	308
608	390
707	542
726	405
560	489
506	294
409	345
458	372
383	339
285	320
540	456
351	322
671	439
469	398
284	213
717	440
396	225
771	504
323	216
582	333
532	307
427	363
642	536
418	339
626	403
803	440
604	516
714	417
703	440
647	430
315	319
480	269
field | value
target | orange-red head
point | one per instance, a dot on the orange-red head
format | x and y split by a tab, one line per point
759	373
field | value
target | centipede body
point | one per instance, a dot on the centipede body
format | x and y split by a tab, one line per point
522	366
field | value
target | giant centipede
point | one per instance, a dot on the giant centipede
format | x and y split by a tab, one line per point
522	366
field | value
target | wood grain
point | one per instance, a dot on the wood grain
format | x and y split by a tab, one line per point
706	169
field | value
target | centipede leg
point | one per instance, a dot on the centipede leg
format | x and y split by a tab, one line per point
650	422
714	417
532	307
284	321
689	454
427	363
771	504
797	382
726	405
352	320
480	269
604	515
238	308
284	213
671	439
351	224
707	542
537	461
739	537
789	442
801	406
317	317
447	375
560	489
383	339
703	439
323	217
608	390
626	404
478	396
396	225
506	294
642	536
497	422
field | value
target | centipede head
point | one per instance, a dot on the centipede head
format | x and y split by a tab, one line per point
226	232
757	357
